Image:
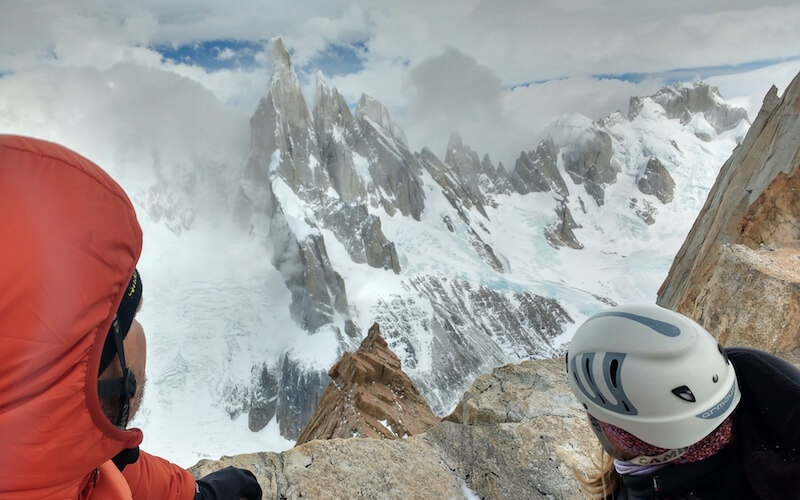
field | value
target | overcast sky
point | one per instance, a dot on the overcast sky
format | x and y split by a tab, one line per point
129	73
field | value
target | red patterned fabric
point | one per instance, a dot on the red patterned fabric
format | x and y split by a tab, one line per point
631	446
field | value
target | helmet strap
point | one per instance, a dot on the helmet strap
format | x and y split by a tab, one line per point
124	387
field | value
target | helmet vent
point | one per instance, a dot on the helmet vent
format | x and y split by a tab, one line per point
588	370
613	368
684	393
627	409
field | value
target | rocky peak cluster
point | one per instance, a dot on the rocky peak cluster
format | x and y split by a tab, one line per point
327	175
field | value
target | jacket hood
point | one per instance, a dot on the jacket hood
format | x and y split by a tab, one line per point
70	244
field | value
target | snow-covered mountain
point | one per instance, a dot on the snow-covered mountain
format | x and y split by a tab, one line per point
333	223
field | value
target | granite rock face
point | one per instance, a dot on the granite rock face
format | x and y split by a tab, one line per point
589	163
537	171
657	181
767	280
745	234
369	396
559	233
468	169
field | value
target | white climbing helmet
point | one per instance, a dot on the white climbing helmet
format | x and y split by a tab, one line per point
653	373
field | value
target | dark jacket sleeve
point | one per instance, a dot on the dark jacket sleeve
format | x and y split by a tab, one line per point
766	422
770	389
153	478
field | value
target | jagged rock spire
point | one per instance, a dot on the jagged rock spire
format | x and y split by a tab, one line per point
369	396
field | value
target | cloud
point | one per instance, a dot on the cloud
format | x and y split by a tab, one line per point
438	66
127	118
452	91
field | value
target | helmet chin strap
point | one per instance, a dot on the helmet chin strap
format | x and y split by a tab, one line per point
124	387
662	458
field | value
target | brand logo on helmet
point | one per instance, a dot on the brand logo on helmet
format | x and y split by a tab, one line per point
662	327
720	407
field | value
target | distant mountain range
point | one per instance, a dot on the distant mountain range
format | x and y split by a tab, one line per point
464	263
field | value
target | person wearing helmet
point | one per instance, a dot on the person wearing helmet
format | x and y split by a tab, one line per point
73	354
677	415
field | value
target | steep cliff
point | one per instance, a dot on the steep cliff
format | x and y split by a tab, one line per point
744	248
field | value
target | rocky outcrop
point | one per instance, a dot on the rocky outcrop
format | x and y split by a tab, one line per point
767	280
746	232
517	433
644	210
559	233
468	169
588	162
288	392
537	171
282	124
656	180
369	396
685	101
393	168
337	135
450	183
361	234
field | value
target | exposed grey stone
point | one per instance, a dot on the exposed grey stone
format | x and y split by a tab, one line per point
361	234
466	169
656	181
448	223
526	178
337	135
485	251
391	165
452	188
537	171
502	182
646	211
320	290
283	124
298	395
264	401
682	101
560	233
380	251
589	162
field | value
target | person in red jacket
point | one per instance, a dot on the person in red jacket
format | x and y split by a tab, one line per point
72	355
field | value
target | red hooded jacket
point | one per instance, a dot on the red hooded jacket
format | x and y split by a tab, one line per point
69	242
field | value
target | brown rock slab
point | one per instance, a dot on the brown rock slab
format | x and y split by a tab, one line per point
369	396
